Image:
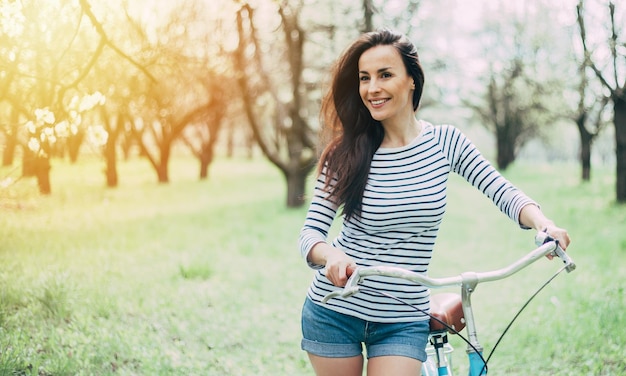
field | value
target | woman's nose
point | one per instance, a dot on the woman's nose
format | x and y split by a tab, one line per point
373	87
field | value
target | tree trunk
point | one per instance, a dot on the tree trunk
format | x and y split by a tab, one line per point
204	168
73	145
111	170
586	138
585	158
10	134
162	167
162	173
368	15
28	162
230	143
505	150
206	157
42	172
8	154
208	148
111	160
620	146
296	187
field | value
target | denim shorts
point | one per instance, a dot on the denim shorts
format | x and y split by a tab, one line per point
331	334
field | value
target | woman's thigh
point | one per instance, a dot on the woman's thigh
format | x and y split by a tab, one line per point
393	365
324	366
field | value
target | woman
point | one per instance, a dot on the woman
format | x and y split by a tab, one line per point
388	171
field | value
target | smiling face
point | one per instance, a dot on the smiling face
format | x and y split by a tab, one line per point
384	84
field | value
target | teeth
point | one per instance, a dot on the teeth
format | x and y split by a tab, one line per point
379	101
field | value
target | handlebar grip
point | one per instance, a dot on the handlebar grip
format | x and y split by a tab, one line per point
542	238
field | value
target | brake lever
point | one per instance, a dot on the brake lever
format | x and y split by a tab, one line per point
560	253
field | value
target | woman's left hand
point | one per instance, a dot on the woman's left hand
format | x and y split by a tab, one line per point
558	234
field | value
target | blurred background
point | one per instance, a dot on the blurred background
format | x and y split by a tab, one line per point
535	80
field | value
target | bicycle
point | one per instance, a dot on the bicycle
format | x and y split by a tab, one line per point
452	312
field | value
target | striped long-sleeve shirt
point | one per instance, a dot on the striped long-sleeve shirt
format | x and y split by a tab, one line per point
403	206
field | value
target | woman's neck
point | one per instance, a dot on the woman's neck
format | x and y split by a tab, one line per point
398	134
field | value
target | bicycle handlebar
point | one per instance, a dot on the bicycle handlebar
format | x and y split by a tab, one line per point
547	247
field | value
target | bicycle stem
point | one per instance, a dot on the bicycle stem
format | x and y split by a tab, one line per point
468	285
474	349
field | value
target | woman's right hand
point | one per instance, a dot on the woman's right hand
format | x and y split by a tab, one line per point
339	266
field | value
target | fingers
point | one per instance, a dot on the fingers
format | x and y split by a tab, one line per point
564	241
559	234
339	272
351	268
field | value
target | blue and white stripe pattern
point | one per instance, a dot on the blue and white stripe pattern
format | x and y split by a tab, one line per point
403	206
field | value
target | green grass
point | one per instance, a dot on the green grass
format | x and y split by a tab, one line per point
205	278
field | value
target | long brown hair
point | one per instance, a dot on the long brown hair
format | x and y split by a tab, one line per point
355	135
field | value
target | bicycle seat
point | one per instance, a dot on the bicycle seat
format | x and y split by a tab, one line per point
446	307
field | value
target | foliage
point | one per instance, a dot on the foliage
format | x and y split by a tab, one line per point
204	277
45	130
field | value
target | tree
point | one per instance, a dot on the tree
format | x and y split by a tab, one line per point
517	96
202	135
512	110
608	63
187	92
164	126
509	113
589	121
113	126
291	145
48	53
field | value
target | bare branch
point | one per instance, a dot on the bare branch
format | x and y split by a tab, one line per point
587	55
85	70
192	115
613	43
105	39
242	81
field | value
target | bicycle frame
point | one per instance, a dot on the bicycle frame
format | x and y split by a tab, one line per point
468	282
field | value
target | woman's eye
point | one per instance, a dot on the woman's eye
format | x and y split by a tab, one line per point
364	78
386	75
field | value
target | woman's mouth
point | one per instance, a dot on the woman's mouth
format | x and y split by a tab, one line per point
378	102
